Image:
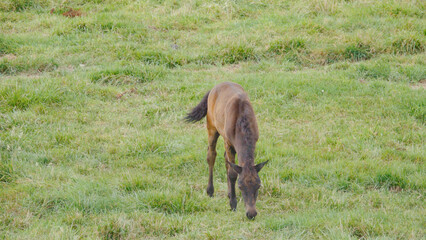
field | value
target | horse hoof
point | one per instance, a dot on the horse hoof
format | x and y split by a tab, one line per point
233	204
210	192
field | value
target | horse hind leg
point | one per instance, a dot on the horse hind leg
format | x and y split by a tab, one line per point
211	158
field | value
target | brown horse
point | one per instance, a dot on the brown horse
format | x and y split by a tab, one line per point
230	114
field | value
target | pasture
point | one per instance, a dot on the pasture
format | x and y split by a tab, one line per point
93	94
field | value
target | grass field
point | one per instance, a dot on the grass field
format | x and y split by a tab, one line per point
93	146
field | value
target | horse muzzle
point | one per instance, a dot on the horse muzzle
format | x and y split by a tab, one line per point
251	214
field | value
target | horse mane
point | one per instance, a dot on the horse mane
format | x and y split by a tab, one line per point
245	126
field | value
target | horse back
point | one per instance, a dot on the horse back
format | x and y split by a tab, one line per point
229	105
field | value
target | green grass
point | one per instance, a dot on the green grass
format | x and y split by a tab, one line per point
93	145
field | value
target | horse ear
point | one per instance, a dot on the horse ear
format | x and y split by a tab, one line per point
237	168
259	166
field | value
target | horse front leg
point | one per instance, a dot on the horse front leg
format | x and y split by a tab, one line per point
232	176
211	158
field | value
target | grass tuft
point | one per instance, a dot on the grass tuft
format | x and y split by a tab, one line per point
44	160
379	70
285	46
234	54
30	65
22	5
138	184
417	109
7	46
7	172
93	93
113	230
389	180
358	52
175	202
21	98
151	57
362	230
128	75
410	45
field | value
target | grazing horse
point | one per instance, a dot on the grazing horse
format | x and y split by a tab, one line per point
230	114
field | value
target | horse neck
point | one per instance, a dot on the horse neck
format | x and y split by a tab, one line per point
245	159
245	151
246	134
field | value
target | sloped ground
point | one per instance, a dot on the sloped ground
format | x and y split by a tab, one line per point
92	96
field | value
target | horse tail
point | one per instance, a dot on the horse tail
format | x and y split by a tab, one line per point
199	111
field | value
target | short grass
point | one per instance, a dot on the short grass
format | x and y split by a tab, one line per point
93	146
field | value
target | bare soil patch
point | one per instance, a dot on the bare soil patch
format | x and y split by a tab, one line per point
419	85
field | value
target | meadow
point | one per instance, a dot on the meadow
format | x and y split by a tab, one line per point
93	94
